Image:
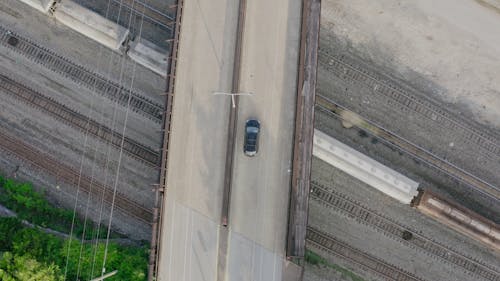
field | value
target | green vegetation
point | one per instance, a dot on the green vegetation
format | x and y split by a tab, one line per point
14	268
315	259
30	254
32	206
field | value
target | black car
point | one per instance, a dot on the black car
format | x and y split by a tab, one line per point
252	128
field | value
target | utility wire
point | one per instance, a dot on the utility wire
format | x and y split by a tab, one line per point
103	269
81	169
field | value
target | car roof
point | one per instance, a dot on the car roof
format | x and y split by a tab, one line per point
253	123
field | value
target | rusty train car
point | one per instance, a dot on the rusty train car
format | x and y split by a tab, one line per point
458	218
405	190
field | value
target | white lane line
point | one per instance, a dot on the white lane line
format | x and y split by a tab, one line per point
190	243
185	245
171	242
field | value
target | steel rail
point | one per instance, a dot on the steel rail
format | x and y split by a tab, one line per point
334	246
148	12
335	109
390	228
80	74
70	175
429	109
77	120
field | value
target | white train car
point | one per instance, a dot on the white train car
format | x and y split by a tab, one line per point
92	25
41	5
364	168
149	55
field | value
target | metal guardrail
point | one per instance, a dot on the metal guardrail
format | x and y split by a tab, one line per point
304	129
161	187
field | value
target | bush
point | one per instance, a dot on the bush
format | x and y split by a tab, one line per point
130	262
84	260
31	253
315	259
14	267
43	247
32	206
8	228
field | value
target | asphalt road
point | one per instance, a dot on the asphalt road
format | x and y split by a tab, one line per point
261	184
189	244
260	190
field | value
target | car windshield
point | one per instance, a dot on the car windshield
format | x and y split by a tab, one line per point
252	130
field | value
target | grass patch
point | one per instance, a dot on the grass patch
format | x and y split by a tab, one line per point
20	245
32	206
31	254
315	259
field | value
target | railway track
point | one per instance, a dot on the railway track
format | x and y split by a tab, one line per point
139	9
78	121
414	150
330	244
392	229
80	75
148	12
71	176
396	96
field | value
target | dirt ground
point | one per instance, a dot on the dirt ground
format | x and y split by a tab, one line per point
450	47
69	146
323	273
446	52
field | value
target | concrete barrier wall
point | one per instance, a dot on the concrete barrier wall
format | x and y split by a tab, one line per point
41	5
91	24
364	168
105	32
149	55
